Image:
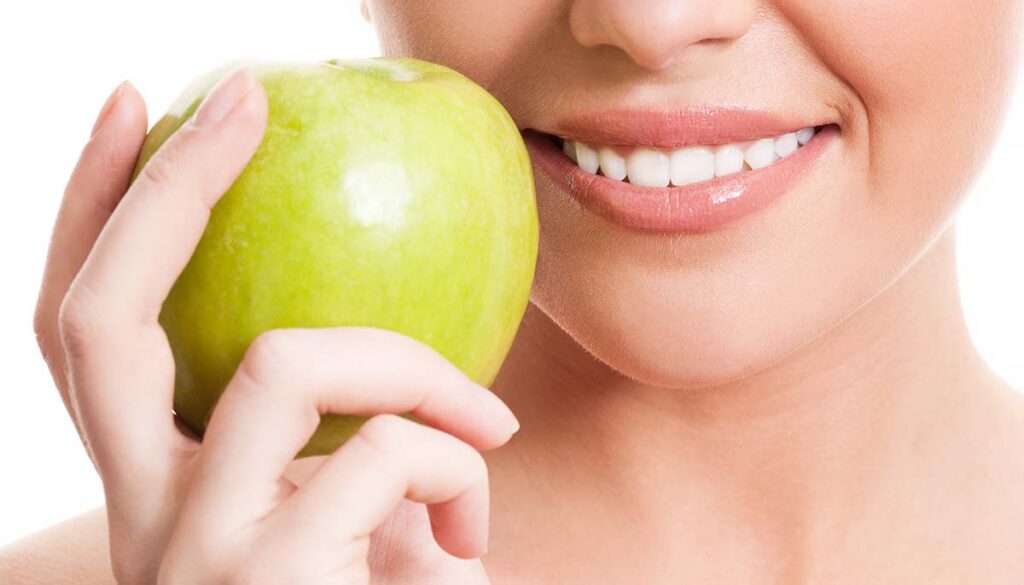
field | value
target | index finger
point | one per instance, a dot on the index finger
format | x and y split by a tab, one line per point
118	356
290	377
96	186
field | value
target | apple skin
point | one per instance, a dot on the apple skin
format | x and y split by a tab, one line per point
391	193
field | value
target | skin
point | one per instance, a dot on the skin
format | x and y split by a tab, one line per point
767	403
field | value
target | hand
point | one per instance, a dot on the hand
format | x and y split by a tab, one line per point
222	511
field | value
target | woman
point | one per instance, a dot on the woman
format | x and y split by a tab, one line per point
763	378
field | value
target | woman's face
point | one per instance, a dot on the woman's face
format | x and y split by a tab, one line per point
916	89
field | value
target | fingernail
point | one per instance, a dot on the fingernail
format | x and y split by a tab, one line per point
497	407
108	107
224	97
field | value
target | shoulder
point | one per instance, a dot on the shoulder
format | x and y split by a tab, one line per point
996	504
1007	428
74	551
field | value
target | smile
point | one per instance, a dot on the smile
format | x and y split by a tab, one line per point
649	167
680	172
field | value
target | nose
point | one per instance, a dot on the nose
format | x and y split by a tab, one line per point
654	32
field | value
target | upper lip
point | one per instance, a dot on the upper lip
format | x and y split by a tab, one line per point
704	125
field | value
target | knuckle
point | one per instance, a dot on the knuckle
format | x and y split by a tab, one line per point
380	432
377	437
266	357
169	163
164	166
79	321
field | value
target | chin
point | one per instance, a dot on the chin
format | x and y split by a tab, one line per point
696	329
676	348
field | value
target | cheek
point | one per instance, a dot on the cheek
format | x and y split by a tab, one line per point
930	78
482	39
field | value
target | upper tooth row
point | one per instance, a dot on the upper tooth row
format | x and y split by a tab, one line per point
647	167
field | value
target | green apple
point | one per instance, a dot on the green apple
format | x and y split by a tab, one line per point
391	193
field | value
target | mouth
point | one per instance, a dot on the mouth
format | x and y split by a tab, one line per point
688	172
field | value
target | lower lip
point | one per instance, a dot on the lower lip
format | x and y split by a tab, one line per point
697	208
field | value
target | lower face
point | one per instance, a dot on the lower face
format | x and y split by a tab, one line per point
703	218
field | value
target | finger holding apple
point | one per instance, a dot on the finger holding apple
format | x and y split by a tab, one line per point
300	236
289	377
238	508
96	186
107	320
98	306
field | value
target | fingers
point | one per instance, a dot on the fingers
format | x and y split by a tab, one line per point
404	547
358	487
96	186
121	368
153	232
289	377
323	529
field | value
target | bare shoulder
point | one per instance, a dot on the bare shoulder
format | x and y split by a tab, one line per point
955	516
74	551
1001	502
1009	427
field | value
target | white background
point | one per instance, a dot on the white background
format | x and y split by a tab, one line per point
60	60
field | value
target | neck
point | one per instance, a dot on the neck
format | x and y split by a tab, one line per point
777	449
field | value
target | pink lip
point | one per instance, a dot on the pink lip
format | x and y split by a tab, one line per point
700	207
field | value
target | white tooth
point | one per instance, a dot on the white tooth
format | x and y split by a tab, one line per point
728	160
761	153
803	136
569	148
613	166
692	165
647	168
786	144
586	158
